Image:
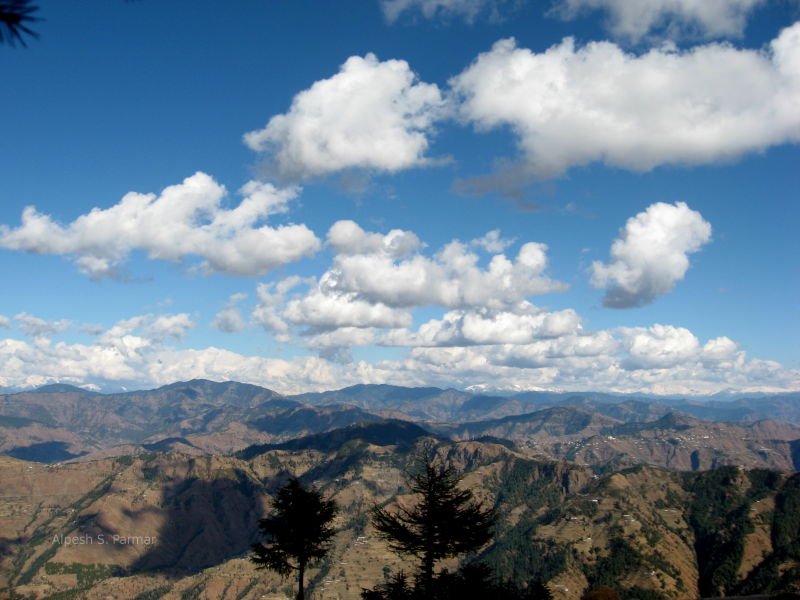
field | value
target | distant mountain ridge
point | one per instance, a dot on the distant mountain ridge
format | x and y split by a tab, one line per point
60	422
430	403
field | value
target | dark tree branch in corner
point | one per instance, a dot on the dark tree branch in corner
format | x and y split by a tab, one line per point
15	15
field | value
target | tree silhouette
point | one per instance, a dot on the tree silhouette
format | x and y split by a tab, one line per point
298	532
445	521
14	17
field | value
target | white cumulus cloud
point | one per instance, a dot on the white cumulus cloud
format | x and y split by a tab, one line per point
169	326
368	294
651	254
185	220
452	278
571	105
372	114
487	327
659	346
328	309
346	237
635	19
721	351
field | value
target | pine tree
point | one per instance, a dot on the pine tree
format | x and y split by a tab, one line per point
445	521
298	532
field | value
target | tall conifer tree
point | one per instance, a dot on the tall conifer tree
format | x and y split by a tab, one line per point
298	532
445	521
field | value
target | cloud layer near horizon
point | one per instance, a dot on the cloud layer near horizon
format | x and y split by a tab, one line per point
137	352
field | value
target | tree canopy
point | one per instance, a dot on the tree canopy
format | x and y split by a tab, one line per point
445	521
298	532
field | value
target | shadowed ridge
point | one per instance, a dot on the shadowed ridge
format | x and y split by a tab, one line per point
390	432
44	452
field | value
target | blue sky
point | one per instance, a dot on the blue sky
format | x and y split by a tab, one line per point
484	194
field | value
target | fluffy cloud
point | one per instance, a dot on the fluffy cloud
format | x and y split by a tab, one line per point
322	310
650	255
572	106
633	20
721	351
346	237
659	346
452	278
372	114
455	329
487	327
376	280
185	220
169	326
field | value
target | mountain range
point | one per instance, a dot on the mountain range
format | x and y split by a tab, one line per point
58	423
